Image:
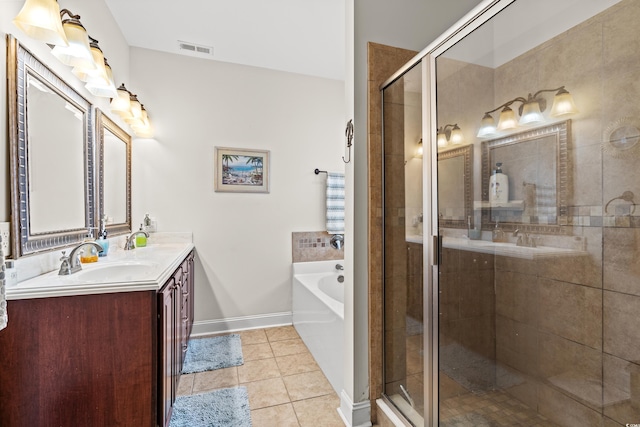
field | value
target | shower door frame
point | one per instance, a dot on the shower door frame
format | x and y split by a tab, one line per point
477	17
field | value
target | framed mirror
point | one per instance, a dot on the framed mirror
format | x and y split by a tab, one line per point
535	163
51	156
115	175
454	173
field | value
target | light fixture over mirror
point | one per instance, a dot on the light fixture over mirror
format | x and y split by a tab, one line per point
530	111
77	53
449	134
40	19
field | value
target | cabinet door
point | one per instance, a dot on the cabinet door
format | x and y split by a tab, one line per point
167	351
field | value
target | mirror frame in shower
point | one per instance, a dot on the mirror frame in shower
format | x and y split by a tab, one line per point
467	154
21	63
562	133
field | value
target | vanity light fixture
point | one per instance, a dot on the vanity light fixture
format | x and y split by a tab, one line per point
40	19
98	72
78	52
530	111
419	150
121	103
101	86
445	136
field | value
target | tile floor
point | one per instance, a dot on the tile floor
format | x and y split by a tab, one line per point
285	385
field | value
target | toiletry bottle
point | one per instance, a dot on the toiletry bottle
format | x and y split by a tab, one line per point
102	238
498	187
89	252
141	239
498	234
147	222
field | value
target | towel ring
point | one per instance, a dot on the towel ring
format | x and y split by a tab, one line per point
627	196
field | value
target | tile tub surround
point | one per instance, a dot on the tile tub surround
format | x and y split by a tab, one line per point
314	246
285	385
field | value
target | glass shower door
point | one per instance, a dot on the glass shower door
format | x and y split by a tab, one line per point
538	284
403	251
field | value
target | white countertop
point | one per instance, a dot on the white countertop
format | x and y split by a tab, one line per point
158	262
509	249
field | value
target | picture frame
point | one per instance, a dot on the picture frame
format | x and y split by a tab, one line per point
241	170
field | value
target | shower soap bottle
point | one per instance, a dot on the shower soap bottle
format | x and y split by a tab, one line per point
89	252
141	239
498	187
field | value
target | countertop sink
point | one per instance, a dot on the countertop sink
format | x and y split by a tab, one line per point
117	272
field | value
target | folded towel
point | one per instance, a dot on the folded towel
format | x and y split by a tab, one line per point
335	203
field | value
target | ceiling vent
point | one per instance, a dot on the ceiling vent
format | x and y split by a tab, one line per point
195	48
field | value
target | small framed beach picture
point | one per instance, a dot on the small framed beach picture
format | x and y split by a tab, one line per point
241	170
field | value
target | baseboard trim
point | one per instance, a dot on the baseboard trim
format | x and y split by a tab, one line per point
234	324
354	414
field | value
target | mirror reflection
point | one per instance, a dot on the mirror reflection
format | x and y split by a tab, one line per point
530	168
454	175
51	159
115	175
56	159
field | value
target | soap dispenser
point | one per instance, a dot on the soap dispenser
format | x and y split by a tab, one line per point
89	252
141	239
498	187
498	234
102	237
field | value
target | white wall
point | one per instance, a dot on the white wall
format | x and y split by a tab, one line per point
97	19
243	241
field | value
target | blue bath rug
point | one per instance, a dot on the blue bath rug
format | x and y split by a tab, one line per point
226	407
207	354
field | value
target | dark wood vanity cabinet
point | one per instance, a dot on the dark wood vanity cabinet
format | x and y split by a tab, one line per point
175	302
96	360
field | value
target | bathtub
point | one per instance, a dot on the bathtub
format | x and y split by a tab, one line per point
318	315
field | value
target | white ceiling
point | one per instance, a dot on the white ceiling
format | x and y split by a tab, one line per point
299	36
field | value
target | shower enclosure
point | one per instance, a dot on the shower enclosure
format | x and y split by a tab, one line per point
512	156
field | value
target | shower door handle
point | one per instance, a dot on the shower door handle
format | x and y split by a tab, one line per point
437	250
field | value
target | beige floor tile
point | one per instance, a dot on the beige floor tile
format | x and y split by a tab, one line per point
185	385
265	393
275	416
256	351
255	370
219	378
287	347
282	333
319	412
307	385
296	364
253	336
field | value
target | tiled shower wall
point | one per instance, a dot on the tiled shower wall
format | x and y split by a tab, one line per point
567	339
314	246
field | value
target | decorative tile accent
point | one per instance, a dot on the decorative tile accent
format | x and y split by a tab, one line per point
313	246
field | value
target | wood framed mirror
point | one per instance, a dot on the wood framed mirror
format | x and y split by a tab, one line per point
51	156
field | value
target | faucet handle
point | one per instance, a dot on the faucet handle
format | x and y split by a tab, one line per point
64	257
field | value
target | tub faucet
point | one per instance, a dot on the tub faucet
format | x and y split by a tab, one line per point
71	264
339	267
129	244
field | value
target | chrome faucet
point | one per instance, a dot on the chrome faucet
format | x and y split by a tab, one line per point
71	264
129	244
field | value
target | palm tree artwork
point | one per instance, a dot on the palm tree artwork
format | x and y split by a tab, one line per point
242	170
